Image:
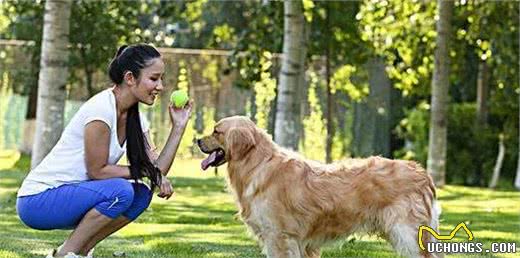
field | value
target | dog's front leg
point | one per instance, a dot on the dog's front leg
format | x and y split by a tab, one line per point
280	245
312	252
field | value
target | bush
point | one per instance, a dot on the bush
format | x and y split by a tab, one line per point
470	150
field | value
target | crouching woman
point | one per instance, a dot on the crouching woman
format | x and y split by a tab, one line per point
79	185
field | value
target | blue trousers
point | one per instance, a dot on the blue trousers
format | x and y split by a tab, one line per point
64	207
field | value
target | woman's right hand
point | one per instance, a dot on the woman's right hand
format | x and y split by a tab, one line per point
165	189
180	116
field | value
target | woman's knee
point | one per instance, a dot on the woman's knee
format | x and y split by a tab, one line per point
142	199
122	189
120	197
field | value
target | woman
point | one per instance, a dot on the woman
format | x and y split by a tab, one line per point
78	185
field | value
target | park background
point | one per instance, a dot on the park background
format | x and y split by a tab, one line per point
363	87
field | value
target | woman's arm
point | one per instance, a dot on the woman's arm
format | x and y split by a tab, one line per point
165	159
180	118
97	144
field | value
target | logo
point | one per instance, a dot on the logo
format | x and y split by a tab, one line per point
441	237
460	247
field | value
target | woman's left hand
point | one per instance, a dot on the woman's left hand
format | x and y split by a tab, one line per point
166	188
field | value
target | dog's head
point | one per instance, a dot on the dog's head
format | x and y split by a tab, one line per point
232	139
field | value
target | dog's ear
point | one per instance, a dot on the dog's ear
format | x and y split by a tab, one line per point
239	141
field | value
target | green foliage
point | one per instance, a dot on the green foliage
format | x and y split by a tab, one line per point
314	124
265	91
4	20
224	33
211	70
334	33
403	32
25	22
97	29
342	80
308	5
414	130
209	122
264	32
182	80
467	143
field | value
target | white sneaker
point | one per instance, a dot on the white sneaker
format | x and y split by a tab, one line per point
90	253
68	255
51	255
72	255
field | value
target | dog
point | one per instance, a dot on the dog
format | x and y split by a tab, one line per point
294	205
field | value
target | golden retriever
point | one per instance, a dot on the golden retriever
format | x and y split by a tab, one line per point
294	205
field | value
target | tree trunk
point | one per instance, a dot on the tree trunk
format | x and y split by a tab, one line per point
517	178
372	130
53	78
482	94
294	50
436	164
30	116
252	100
500	161
329	117
480	120
88	73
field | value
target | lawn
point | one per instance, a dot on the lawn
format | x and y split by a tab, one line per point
200	221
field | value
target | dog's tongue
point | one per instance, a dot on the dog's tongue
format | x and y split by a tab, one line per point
207	161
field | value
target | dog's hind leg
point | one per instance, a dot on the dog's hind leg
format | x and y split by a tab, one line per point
282	246
403	238
311	252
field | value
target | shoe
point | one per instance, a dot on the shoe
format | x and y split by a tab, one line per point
68	255
90	253
72	255
51	255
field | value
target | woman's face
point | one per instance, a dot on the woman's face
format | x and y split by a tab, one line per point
149	84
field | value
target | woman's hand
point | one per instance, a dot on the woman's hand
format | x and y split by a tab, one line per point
180	116
166	188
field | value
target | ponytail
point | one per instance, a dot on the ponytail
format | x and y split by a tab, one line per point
140	164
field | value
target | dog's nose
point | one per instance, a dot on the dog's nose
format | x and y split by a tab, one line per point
198	142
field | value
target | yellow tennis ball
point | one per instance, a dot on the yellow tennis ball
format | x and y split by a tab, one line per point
179	98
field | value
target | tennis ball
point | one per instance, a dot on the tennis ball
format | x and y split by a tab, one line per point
179	98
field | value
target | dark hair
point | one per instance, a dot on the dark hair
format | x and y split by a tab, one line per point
134	58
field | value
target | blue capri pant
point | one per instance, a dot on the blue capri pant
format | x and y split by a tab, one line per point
64	207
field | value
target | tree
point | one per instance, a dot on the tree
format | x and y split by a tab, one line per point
436	164
517	179
372	123
52	79
293	64
498	165
26	24
335	35
97	28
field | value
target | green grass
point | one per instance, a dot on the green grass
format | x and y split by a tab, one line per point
200	221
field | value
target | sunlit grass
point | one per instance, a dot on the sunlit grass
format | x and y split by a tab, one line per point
200	220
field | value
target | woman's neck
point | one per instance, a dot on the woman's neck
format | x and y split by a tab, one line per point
124	99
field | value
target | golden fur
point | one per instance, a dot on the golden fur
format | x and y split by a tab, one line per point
294	205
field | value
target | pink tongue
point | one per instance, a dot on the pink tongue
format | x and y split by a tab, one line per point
207	161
